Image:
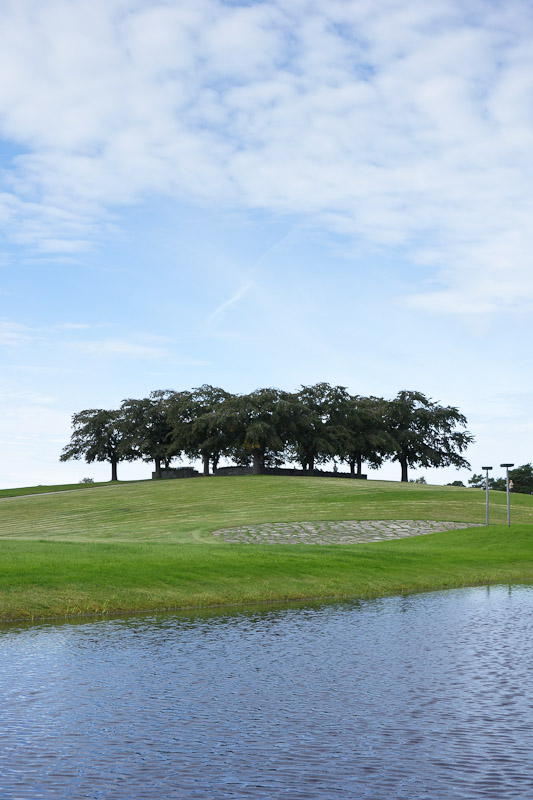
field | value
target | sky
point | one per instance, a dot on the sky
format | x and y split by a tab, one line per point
252	194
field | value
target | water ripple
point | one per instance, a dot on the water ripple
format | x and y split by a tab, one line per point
424	697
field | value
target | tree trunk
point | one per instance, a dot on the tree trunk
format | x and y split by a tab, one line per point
114	463
403	464
157	462
206	463
311	463
359	466
257	462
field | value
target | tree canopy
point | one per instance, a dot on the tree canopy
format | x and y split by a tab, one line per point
199	425
262	422
315	414
269	427
147	429
425	434
520	480
362	433
99	436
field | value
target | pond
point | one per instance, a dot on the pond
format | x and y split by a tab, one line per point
426	697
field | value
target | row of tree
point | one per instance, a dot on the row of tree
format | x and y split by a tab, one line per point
520	478
270	427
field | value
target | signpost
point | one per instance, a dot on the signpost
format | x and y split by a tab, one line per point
487	491
508	496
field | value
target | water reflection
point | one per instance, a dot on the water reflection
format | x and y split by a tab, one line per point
427	696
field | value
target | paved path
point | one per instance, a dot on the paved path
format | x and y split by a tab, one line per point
350	532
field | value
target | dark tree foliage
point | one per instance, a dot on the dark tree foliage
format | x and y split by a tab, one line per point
146	426
315	420
362	434
269	426
425	434
260	423
520	481
200	425
522	478
480	482
98	436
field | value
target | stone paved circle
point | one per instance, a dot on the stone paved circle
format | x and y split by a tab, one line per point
348	532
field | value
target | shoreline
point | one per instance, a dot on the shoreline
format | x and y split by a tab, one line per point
301	602
44	580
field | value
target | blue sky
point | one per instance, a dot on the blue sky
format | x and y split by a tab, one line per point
264	194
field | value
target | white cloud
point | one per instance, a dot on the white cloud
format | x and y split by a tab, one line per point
120	347
12	333
74	326
63	340
135	348
400	123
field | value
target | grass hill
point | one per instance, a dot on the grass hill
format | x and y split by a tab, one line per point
189	509
148	545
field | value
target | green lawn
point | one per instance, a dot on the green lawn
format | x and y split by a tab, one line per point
148	545
189	509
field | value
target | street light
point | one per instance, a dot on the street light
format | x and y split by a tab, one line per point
508	497
487	490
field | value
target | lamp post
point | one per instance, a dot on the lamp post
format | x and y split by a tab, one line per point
487	491
508	496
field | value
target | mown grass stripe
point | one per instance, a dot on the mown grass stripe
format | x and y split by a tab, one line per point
181	509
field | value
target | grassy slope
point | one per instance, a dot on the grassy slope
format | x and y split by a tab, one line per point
114	548
185	510
66	487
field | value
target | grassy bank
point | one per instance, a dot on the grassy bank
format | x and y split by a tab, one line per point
58	578
149	546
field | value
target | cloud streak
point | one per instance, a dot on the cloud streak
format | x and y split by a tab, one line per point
227	304
400	124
